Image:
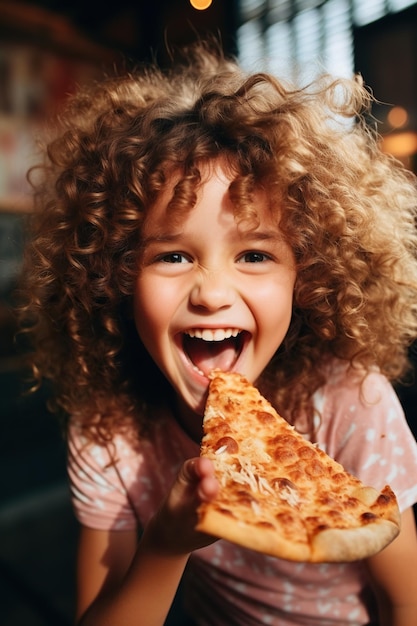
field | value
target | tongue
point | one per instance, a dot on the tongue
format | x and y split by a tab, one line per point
208	355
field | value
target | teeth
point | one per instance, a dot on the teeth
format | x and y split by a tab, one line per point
216	334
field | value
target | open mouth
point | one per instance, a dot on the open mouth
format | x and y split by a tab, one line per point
208	349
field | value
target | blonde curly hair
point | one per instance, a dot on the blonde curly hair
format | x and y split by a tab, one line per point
347	210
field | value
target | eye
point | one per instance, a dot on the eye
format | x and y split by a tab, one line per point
254	257
173	257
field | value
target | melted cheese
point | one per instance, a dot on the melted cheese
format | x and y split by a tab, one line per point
243	472
255	449
210	413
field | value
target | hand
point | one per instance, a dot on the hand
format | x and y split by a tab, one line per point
172	529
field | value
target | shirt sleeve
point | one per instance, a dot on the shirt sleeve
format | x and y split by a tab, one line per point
364	428
99	497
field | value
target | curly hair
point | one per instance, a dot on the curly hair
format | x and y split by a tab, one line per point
347	210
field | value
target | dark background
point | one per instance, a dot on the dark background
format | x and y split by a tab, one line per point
138	30
78	41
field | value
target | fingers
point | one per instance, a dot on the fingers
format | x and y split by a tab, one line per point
203	467
172	528
208	486
198	475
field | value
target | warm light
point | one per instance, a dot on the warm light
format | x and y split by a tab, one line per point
397	117
400	144
200	5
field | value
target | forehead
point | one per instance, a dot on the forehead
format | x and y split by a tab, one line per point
208	199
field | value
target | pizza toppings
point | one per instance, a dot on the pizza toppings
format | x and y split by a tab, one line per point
279	493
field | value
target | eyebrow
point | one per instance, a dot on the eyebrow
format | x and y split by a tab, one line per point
262	235
162	238
253	235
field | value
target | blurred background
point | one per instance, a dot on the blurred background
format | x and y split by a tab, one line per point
47	48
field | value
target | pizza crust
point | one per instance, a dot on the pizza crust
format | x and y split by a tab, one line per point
265	540
352	544
279	494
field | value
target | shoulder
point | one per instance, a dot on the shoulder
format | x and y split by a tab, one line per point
353	402
100	454
98	473
363	426
350	391
116	483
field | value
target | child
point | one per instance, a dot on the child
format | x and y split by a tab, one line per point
196	218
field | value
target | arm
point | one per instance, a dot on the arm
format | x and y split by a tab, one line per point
393	575
125	583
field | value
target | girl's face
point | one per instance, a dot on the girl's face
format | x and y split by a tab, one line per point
209	294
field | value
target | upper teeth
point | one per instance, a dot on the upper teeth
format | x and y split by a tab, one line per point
209	334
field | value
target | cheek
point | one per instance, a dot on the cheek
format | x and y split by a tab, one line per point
273	307
154	304
275	297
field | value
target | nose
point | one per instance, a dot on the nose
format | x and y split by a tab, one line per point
212	290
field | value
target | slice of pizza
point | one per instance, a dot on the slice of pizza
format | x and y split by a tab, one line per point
279	493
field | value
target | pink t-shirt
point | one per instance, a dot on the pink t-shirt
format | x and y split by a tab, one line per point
226	585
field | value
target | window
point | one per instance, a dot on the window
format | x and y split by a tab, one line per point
297	39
